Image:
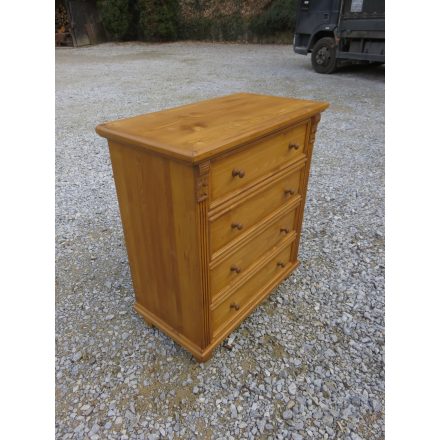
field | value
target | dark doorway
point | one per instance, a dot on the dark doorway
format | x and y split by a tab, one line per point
77	23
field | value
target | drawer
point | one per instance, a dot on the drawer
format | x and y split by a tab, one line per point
232	307
238	219
237	170
232	268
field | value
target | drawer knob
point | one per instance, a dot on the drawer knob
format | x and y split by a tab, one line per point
284	230
289	192
238	226
293	145
235	306
280	264
235	269
236	172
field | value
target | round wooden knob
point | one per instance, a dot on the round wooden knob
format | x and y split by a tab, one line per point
238	226
236	172
280	264
235	306
284	230
293	146
289	192
235	269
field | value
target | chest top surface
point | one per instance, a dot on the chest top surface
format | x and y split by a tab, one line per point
198	131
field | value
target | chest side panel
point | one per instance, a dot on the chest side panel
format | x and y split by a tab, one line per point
158	211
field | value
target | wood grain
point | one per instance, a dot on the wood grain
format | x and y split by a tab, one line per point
223	274
211	200
232	307
305	180
247	214
158	211
208	128
271	153
202	173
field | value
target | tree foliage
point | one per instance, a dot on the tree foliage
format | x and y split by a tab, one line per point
280	16
116	17
159	19
215	20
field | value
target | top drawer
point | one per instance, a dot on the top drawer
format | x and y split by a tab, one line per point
236	170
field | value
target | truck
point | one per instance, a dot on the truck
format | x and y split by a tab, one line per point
336	32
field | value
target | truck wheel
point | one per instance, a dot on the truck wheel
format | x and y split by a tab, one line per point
324	55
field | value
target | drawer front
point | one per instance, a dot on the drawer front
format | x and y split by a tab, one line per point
238	170
239	219
233	267
232	307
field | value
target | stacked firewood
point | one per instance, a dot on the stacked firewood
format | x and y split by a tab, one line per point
61	20
63	35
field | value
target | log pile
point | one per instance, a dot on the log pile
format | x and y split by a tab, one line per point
61	19
62	27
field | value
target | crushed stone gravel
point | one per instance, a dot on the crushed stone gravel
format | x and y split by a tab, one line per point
309	362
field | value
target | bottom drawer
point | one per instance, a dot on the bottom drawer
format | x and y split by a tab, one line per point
232	307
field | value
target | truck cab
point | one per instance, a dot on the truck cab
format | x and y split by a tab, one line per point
336	30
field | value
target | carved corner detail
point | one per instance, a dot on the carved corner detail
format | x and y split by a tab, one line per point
315	122
202	181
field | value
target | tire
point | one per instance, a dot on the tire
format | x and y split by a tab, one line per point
324	55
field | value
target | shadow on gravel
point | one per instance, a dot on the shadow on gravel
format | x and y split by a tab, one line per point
366	71
373	72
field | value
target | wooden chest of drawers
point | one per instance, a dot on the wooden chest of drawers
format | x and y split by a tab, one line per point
211	196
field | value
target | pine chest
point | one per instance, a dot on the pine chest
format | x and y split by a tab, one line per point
211	197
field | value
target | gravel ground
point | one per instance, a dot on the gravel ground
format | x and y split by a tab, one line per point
309	362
